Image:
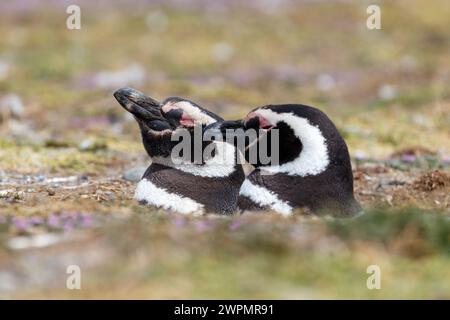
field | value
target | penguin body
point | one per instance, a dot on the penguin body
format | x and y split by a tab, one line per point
313	169
176	181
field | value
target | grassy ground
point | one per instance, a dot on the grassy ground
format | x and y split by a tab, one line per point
65	146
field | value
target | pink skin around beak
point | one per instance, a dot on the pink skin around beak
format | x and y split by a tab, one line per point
263	122
186	121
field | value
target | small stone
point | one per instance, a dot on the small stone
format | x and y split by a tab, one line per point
6	193
4	70
132	75
91	145
134	174
110	195
325	82
36	241
360	155
408	63
157	21
387	92
51	192
11	106
222	52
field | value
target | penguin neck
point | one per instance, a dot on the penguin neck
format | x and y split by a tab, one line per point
222	164
314	156
184	192
155	189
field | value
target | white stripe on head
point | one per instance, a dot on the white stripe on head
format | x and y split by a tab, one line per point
313	159
161	198
264	197
196	114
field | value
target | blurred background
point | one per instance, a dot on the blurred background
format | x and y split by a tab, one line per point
70	156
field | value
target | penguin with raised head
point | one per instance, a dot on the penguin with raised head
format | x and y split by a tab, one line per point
176	181
313	168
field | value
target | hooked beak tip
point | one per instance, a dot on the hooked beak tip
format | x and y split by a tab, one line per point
128	93
128	96
138	104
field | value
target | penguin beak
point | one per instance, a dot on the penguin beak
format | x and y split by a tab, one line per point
138	104
235	124
252	121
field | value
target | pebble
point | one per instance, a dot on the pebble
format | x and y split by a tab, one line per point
91	145
6	193
12	105
134	174
222	52
387	92
109	195
132	75
157	21
37	241
4	70
325	82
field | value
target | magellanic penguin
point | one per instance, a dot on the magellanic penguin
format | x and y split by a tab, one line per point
313	168
174	181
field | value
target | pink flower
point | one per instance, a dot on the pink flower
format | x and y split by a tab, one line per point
86	220
409	158
235	224
20	223
203	225
179	221
53	221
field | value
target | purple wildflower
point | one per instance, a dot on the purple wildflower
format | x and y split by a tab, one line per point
235	224
203	225
68	225
36	220
446	159
179	221
408	157
53	221
20	223
86	220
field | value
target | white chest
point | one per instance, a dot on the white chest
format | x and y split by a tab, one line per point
264	198
161	198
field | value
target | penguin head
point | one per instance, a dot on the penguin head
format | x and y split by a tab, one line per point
306	141
158	121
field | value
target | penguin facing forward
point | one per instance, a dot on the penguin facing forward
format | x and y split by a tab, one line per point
313	168
176	181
